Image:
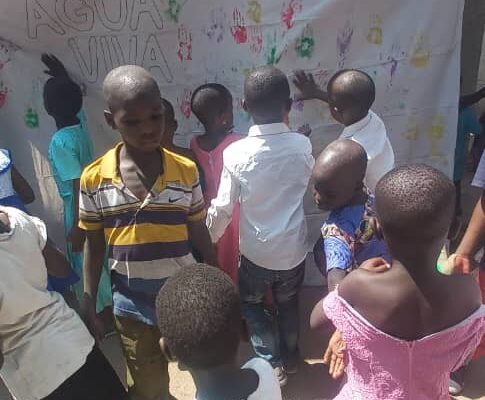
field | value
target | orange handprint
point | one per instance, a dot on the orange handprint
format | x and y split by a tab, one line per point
184	104
238	28
184	52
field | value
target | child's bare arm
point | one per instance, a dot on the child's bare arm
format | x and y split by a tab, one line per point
56	263
308	89
475	233
22	187
76	235
200	238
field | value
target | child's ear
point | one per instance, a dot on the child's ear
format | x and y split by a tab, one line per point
376	228
108	116
166	350
245	105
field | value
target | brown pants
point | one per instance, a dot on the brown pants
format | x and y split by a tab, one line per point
147	374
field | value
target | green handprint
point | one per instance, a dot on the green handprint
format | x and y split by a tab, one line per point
174	9
271	54
305	45
31	118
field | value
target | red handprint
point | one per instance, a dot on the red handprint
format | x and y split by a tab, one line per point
3	94
255	39
185	104
184	52
288	13
238	28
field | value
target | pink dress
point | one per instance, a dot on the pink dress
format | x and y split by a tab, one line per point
383	367
212	163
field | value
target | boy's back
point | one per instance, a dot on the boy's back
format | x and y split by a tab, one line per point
272	166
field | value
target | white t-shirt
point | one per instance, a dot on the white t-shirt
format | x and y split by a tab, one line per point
370	132
44	341
268	387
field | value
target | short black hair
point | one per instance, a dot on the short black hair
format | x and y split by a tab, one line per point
63	98
128	83
416	203
352	89
209	101
168	108
199	316
267	92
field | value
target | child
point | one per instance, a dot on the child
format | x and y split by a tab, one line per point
398	325
348	238
15	191
171	126
350	95
70	150
204	297
142	203
212	105
48	352
268	174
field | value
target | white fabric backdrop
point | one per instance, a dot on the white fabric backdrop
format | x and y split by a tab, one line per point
411	48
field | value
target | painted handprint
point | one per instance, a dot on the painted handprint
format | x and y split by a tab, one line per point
7	49
3	94
375	35
254	11
184	52
174	9
271	53
421	52
184	104
435	135
289	11
217	28
305	45
344	38
31	118
255	37
238	28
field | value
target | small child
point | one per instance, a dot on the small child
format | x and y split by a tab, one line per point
48	352
141	203
401	321
348	238
350	95
203	297
15	191
212	105
70	151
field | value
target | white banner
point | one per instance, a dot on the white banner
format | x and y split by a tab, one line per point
411	48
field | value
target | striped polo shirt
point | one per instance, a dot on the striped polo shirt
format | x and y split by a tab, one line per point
147	240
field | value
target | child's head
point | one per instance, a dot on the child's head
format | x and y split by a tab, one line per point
199	316
338	175
134	107
63	98
171	124
415	207
212	105
351	94
267	95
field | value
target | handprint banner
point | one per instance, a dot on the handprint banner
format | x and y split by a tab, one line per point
410	48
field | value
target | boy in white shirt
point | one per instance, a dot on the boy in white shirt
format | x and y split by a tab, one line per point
47	351
350	95
200	320
268	173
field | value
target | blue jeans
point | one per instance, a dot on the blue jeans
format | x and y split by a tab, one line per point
274	335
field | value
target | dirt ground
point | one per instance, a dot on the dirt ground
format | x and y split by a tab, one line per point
312	381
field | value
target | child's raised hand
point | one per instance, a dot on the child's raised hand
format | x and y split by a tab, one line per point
334	356
306	85
55	67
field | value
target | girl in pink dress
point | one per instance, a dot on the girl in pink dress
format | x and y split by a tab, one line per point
406	327
212	105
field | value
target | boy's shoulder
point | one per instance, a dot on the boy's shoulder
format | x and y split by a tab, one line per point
179	159
103	166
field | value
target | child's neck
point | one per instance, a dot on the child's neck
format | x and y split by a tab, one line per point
140	158
356	118
418	259
212	138
226	382
62	122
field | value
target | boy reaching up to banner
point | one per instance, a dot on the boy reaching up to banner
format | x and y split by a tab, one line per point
350	95
142	203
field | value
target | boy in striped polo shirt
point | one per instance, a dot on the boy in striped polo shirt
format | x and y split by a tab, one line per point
142	203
